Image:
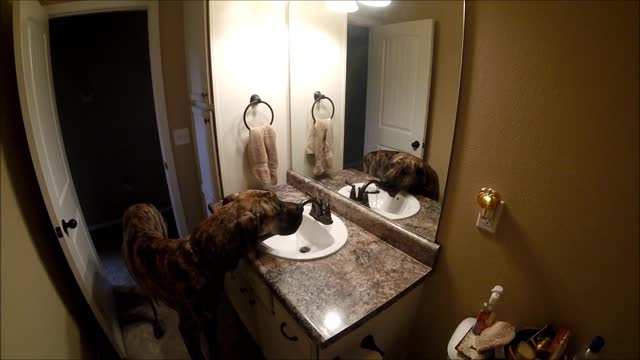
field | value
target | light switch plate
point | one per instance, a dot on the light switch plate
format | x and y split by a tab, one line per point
490	225
181	136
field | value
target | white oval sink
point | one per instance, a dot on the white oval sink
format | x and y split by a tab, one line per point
402	206
313	240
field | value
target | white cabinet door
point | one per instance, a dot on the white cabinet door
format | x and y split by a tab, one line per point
195	37
280	337
203	132
241	297
390	331
37	98
399	78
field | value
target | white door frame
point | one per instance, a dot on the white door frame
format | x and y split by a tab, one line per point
153	23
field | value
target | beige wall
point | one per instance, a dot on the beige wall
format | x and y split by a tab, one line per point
549	117
238	71
317	62
43	312
445	71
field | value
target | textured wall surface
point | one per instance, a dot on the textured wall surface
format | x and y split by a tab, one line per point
549	118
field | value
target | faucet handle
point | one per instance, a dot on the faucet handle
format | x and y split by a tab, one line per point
353	193
326	206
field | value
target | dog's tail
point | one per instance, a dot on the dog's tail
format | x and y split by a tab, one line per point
143	218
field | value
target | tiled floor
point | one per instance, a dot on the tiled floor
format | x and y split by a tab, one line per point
235	341
139	340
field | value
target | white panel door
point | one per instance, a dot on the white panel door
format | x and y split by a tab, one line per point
37	98
203	131
399	77
195	32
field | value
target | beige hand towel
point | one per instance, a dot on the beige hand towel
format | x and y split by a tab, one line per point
320	144
263	154
499	334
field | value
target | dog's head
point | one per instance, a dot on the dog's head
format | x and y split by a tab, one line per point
143	217
261	213
405	172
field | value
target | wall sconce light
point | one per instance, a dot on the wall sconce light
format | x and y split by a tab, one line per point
342	6
491	205
375	3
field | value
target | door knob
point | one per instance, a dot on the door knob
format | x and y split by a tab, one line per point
415	145
71	224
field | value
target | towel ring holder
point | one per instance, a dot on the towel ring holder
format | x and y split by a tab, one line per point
319	96
255	100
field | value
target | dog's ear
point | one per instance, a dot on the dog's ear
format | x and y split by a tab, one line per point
213	207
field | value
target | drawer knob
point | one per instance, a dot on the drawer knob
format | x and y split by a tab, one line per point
290	338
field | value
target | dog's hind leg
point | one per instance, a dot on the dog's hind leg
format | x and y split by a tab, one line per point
191	336
158	325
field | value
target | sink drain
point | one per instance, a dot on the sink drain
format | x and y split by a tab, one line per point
305	249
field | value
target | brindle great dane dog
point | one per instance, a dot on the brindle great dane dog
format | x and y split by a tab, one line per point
401	171
188	274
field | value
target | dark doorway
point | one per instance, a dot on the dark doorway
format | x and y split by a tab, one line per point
104	95
355	109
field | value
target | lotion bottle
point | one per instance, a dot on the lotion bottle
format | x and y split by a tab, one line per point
487	316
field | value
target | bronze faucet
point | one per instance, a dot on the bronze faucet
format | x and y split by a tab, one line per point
360	194
320	210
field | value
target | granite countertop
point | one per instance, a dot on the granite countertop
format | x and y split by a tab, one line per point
424	223
333	295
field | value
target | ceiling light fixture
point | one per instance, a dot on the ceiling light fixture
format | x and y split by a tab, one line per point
376	3
342	6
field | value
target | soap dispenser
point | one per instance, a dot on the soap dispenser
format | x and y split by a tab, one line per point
487	316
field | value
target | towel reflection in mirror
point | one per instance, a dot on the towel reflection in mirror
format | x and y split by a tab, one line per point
320	145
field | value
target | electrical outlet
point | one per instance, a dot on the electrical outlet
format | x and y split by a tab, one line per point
490	224
181	136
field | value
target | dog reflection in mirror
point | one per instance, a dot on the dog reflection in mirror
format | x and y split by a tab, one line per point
188	274
401	171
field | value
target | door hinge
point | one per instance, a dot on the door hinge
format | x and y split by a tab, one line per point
166	167
58	231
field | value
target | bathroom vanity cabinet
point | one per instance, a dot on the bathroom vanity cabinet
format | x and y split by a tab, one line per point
281	336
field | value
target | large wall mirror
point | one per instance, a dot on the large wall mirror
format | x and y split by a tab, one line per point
374	95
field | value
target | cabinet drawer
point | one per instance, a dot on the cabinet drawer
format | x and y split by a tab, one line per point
260	289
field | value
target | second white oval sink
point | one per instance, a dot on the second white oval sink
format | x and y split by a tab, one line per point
402	206
313	240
